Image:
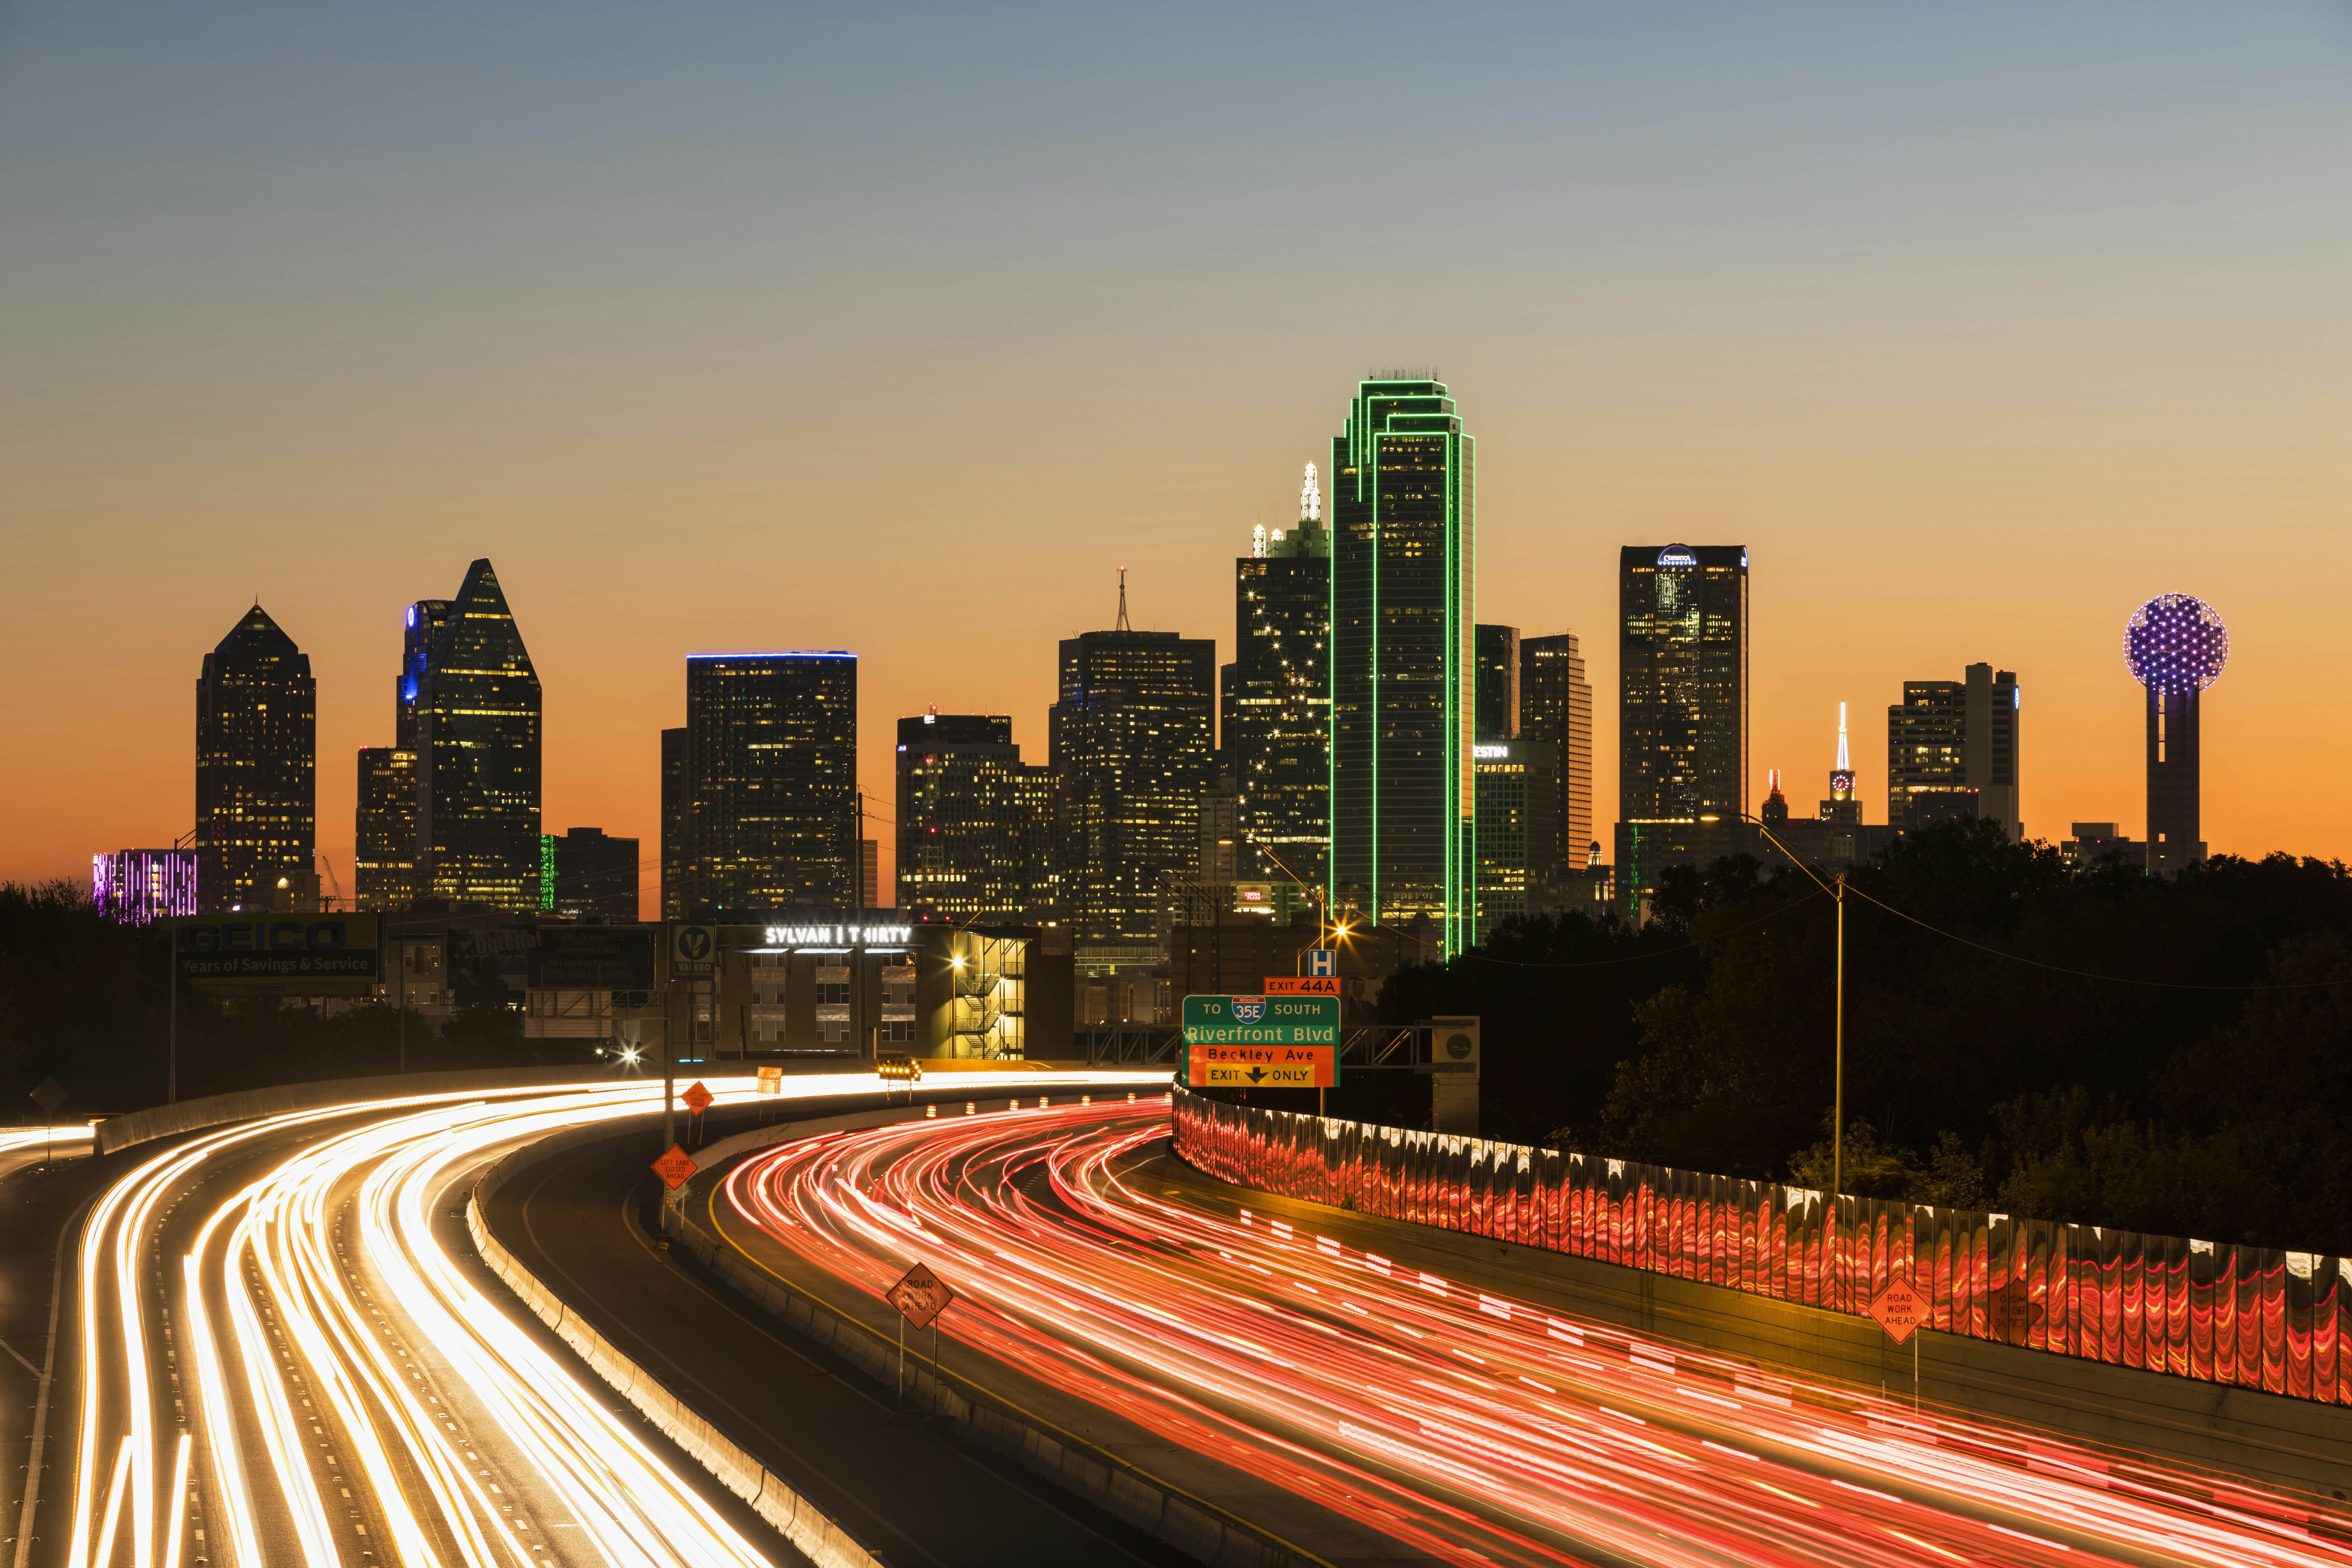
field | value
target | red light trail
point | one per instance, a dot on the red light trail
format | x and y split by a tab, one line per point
1471	1427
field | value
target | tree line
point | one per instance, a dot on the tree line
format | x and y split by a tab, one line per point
2093	1044
87	1001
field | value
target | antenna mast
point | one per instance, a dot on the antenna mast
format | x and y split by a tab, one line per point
1122	602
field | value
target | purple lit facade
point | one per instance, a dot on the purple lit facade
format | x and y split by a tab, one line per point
133	886
2175	646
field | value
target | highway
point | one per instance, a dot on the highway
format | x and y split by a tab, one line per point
285	1352
1467	1425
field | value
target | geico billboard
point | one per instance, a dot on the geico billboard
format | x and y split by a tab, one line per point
278	949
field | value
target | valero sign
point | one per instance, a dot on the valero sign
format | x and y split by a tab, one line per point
312	955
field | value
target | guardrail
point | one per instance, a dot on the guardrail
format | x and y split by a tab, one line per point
823	1542
2248	1316
243	1105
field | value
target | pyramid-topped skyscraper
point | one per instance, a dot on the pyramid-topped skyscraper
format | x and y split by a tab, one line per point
470	709
256	767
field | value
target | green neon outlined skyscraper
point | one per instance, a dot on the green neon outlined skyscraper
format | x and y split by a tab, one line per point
1403	563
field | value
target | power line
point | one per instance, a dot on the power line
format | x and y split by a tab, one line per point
2086	973
1638	957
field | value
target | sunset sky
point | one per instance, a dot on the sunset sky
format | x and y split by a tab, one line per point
899	330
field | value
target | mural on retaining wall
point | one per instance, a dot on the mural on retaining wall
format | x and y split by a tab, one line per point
2249	1316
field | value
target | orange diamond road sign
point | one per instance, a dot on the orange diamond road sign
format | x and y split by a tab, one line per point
675	1167
920	1296
1899	1310
698	1098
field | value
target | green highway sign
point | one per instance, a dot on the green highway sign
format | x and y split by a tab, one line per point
1262	1020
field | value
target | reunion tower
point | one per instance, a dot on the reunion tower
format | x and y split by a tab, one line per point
2176	646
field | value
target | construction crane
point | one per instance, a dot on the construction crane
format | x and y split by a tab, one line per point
335	902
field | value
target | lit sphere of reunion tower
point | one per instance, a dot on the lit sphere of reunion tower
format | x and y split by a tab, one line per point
2176	642
2176	646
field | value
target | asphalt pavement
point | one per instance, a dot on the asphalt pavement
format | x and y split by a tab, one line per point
908	1491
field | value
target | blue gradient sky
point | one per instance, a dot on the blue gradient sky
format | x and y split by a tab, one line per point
899	330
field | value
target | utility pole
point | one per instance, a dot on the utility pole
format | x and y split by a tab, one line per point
1837	1108
171	1010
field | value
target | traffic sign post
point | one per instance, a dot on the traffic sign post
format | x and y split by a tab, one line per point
1321	961
1302	986
1900	1311
49	1094
1262	1042
697	1101
675	1168
921	1296
1261	1066
1262	1020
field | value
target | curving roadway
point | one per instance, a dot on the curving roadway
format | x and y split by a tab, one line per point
1467	1425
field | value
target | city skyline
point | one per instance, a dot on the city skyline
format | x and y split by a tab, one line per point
2047	822
1977	331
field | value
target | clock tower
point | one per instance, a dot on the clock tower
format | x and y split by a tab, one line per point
1843	806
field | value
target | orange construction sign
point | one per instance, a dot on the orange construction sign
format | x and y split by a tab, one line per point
920	1296
675	1167
1899	1309
698	1098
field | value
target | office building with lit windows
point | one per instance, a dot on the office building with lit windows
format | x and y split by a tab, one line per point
975	822
770	782
469	713
257	768
1132	745
1682	756
384	852
1403	508
1953	751
1518	784
1556	709
1276	699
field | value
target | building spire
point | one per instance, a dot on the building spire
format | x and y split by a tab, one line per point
1310	498
1844	765
1122	602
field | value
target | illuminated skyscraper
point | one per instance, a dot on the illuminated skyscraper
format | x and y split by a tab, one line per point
384	850
1132	748
470	711
770	782
1682	747
975	822
2175	646
1953	751
1276	698
1403	511
1518	838
1556	709
256	761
